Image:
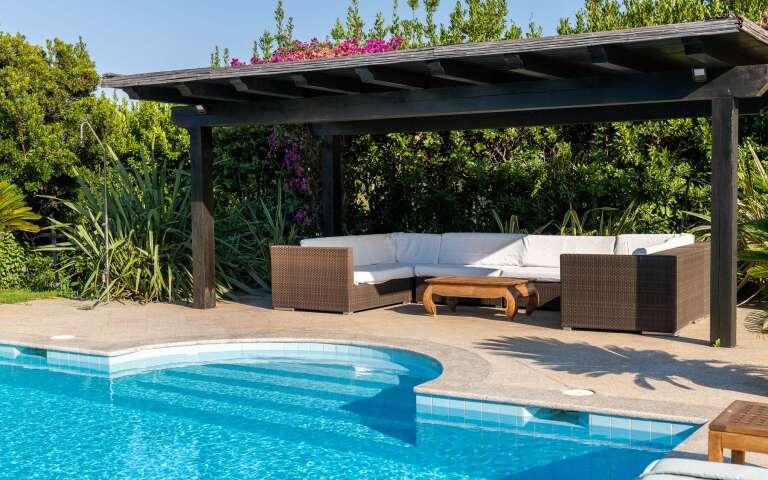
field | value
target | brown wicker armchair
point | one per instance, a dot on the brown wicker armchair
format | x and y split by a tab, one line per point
661	292
322	278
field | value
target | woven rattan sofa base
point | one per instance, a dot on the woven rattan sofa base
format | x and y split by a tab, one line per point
660	292
321	279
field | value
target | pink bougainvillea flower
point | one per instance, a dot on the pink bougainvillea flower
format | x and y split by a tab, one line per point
315	49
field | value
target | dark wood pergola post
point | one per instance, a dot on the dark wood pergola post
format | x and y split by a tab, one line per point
330	159
725	143
203	243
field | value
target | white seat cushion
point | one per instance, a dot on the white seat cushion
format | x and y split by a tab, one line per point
366	249
627	243
481	248
684	468
541	274
441	269
545	250
382	272
416	247
670	243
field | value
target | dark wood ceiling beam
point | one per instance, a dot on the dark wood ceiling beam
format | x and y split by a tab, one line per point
695	49
157	94
615	59
328	83
387	77
536	118
626	90
210	91
539	118
533	67
464	73
266	87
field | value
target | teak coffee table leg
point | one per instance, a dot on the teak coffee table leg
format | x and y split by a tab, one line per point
429	303
738	456
511	296
715	451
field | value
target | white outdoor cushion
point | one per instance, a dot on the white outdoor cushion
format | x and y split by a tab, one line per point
481	248
366	249
382	272
627	243
545	250
541	274
674	242
441	269
416	247
687	469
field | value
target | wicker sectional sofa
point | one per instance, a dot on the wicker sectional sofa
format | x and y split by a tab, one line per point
627	282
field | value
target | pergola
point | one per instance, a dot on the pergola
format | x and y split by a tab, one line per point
716	68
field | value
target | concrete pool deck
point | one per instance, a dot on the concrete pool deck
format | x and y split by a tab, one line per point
528	361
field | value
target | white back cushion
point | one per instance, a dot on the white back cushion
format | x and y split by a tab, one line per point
481	248
545	250
674	242
366	249
626	244
416	247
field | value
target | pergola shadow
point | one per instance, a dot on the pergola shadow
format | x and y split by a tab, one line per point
645	365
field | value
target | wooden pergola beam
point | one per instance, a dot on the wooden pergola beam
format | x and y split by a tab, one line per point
461	73
329	84
207	91
266	87
387	77
533	67
615	59
535	118
626	91
696	49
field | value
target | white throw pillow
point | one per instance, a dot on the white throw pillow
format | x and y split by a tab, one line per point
545	250
674	242
416	247
366	249
481	248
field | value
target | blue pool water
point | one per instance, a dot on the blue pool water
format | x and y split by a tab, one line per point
298	416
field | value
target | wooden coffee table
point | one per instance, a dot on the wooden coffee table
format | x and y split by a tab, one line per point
742	427
455	287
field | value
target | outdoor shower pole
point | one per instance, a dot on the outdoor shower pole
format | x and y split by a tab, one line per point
85	123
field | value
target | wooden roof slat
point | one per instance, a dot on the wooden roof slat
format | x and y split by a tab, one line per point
654	37
327	83
266	87
387	77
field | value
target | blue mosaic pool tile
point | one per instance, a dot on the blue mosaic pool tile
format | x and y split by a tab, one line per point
641	431
600	432
598	420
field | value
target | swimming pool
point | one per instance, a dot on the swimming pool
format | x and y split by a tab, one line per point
294	411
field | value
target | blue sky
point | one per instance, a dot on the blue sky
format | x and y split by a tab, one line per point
149	35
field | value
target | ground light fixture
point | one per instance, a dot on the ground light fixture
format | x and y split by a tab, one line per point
577	392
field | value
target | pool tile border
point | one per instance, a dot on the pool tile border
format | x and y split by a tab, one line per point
432	407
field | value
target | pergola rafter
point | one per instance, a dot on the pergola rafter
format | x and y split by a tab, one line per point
716	68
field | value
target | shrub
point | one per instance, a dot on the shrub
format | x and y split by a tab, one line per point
12	262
